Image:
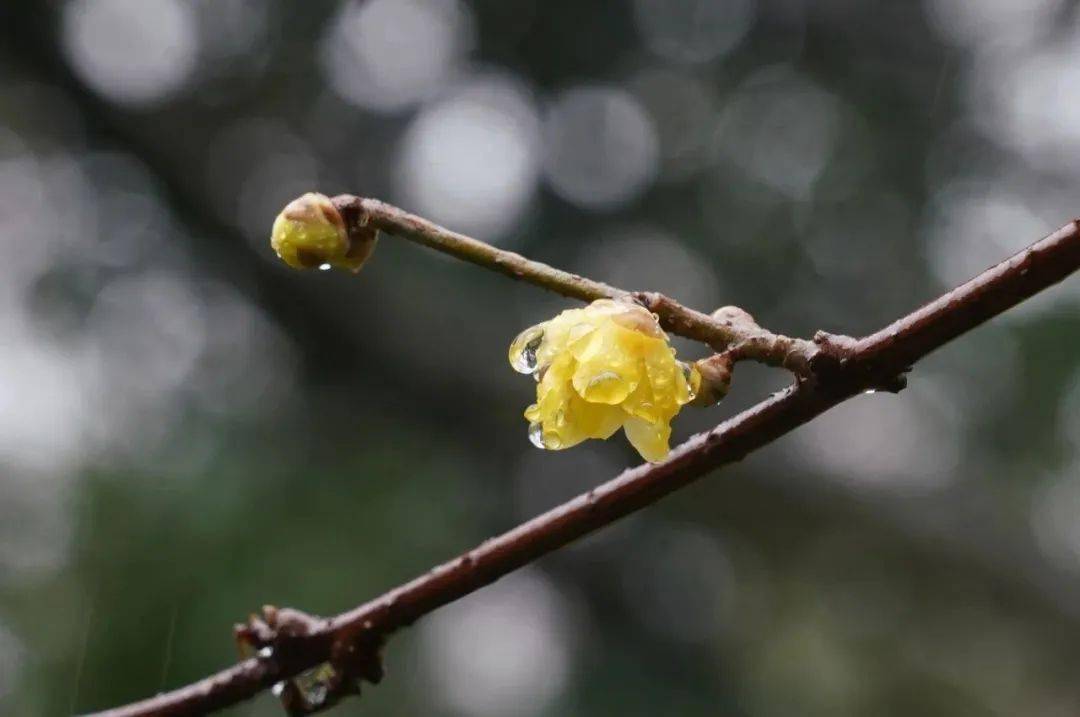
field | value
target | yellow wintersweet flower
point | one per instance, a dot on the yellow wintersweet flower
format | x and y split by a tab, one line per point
310	232
604	367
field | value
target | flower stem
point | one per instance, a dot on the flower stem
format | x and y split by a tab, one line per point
750	341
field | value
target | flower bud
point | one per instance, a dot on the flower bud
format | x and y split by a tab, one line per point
715	373
310	232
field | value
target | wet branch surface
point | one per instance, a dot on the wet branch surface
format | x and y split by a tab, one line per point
721	333
288	642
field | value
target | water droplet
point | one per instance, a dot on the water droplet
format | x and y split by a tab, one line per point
265	653
324	267
536	435
314	684
606	387
316	694
524	347
602	378
688	374
278	689
868	391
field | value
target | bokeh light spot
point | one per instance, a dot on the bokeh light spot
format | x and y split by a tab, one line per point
990	23
906	445
683	110
470	160
649	259
501	652
693	31
386	55
781	130
135	52
601	148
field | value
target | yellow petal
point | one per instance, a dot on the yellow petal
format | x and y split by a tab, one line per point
596	383
596	420
567	419
642	404
609	367
687	384
650	439
560	331
639	320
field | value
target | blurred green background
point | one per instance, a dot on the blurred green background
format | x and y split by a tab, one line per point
189	430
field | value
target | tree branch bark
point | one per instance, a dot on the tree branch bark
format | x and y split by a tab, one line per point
754	342
843	368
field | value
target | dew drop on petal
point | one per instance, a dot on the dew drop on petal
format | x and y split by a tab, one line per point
536	435
605	387
552	441
688	374
524	347
324	267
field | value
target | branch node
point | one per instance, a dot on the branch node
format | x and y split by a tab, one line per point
286	637
715	373
735	316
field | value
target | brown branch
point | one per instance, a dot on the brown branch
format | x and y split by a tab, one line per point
758	344
844	367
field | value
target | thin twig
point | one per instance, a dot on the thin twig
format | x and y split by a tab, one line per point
855	366
757	343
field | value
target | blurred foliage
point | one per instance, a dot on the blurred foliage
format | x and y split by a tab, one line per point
189	430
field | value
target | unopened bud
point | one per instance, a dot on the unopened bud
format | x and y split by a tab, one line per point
310	232
715	374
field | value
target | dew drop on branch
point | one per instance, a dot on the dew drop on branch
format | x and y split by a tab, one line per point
314	684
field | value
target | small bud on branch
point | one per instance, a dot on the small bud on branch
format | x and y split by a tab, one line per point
310	232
